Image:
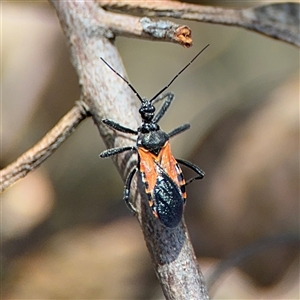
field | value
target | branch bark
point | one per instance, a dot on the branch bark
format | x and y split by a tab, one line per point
277	20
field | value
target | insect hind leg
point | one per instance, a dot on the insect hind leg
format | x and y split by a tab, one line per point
126	196
195	168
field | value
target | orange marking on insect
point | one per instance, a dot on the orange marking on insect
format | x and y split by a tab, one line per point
155	213
165	159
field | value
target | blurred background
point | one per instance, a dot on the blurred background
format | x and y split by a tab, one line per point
66	233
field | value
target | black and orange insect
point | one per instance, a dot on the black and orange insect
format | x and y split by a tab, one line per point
159	170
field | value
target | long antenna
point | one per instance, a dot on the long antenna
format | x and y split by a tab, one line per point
129	84
163	89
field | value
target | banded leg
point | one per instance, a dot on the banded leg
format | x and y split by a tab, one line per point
127	190
165	106
118	127
114	151
179	129
195	168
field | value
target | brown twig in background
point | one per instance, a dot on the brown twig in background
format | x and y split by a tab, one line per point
44	148
145	28
111	24
248	252
277	20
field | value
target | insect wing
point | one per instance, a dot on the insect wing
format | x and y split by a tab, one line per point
170	166
164	184
168	201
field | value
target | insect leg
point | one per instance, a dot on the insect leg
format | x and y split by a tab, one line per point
127	190
179	129
118	127
195	168
114	151
163	96
165	106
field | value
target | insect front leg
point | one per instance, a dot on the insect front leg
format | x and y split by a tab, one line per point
114	151
126	196
165	106
195	168
118	127
179	129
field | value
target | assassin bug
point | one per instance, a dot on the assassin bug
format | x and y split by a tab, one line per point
160	171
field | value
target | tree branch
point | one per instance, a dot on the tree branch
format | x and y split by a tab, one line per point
87	30
277	20
44	148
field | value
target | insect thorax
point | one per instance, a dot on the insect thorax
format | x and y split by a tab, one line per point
152	140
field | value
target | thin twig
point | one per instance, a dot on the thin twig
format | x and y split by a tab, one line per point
108	97
145	28
277	20
248	252
31	159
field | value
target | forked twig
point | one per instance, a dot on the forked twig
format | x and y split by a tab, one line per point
276	20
